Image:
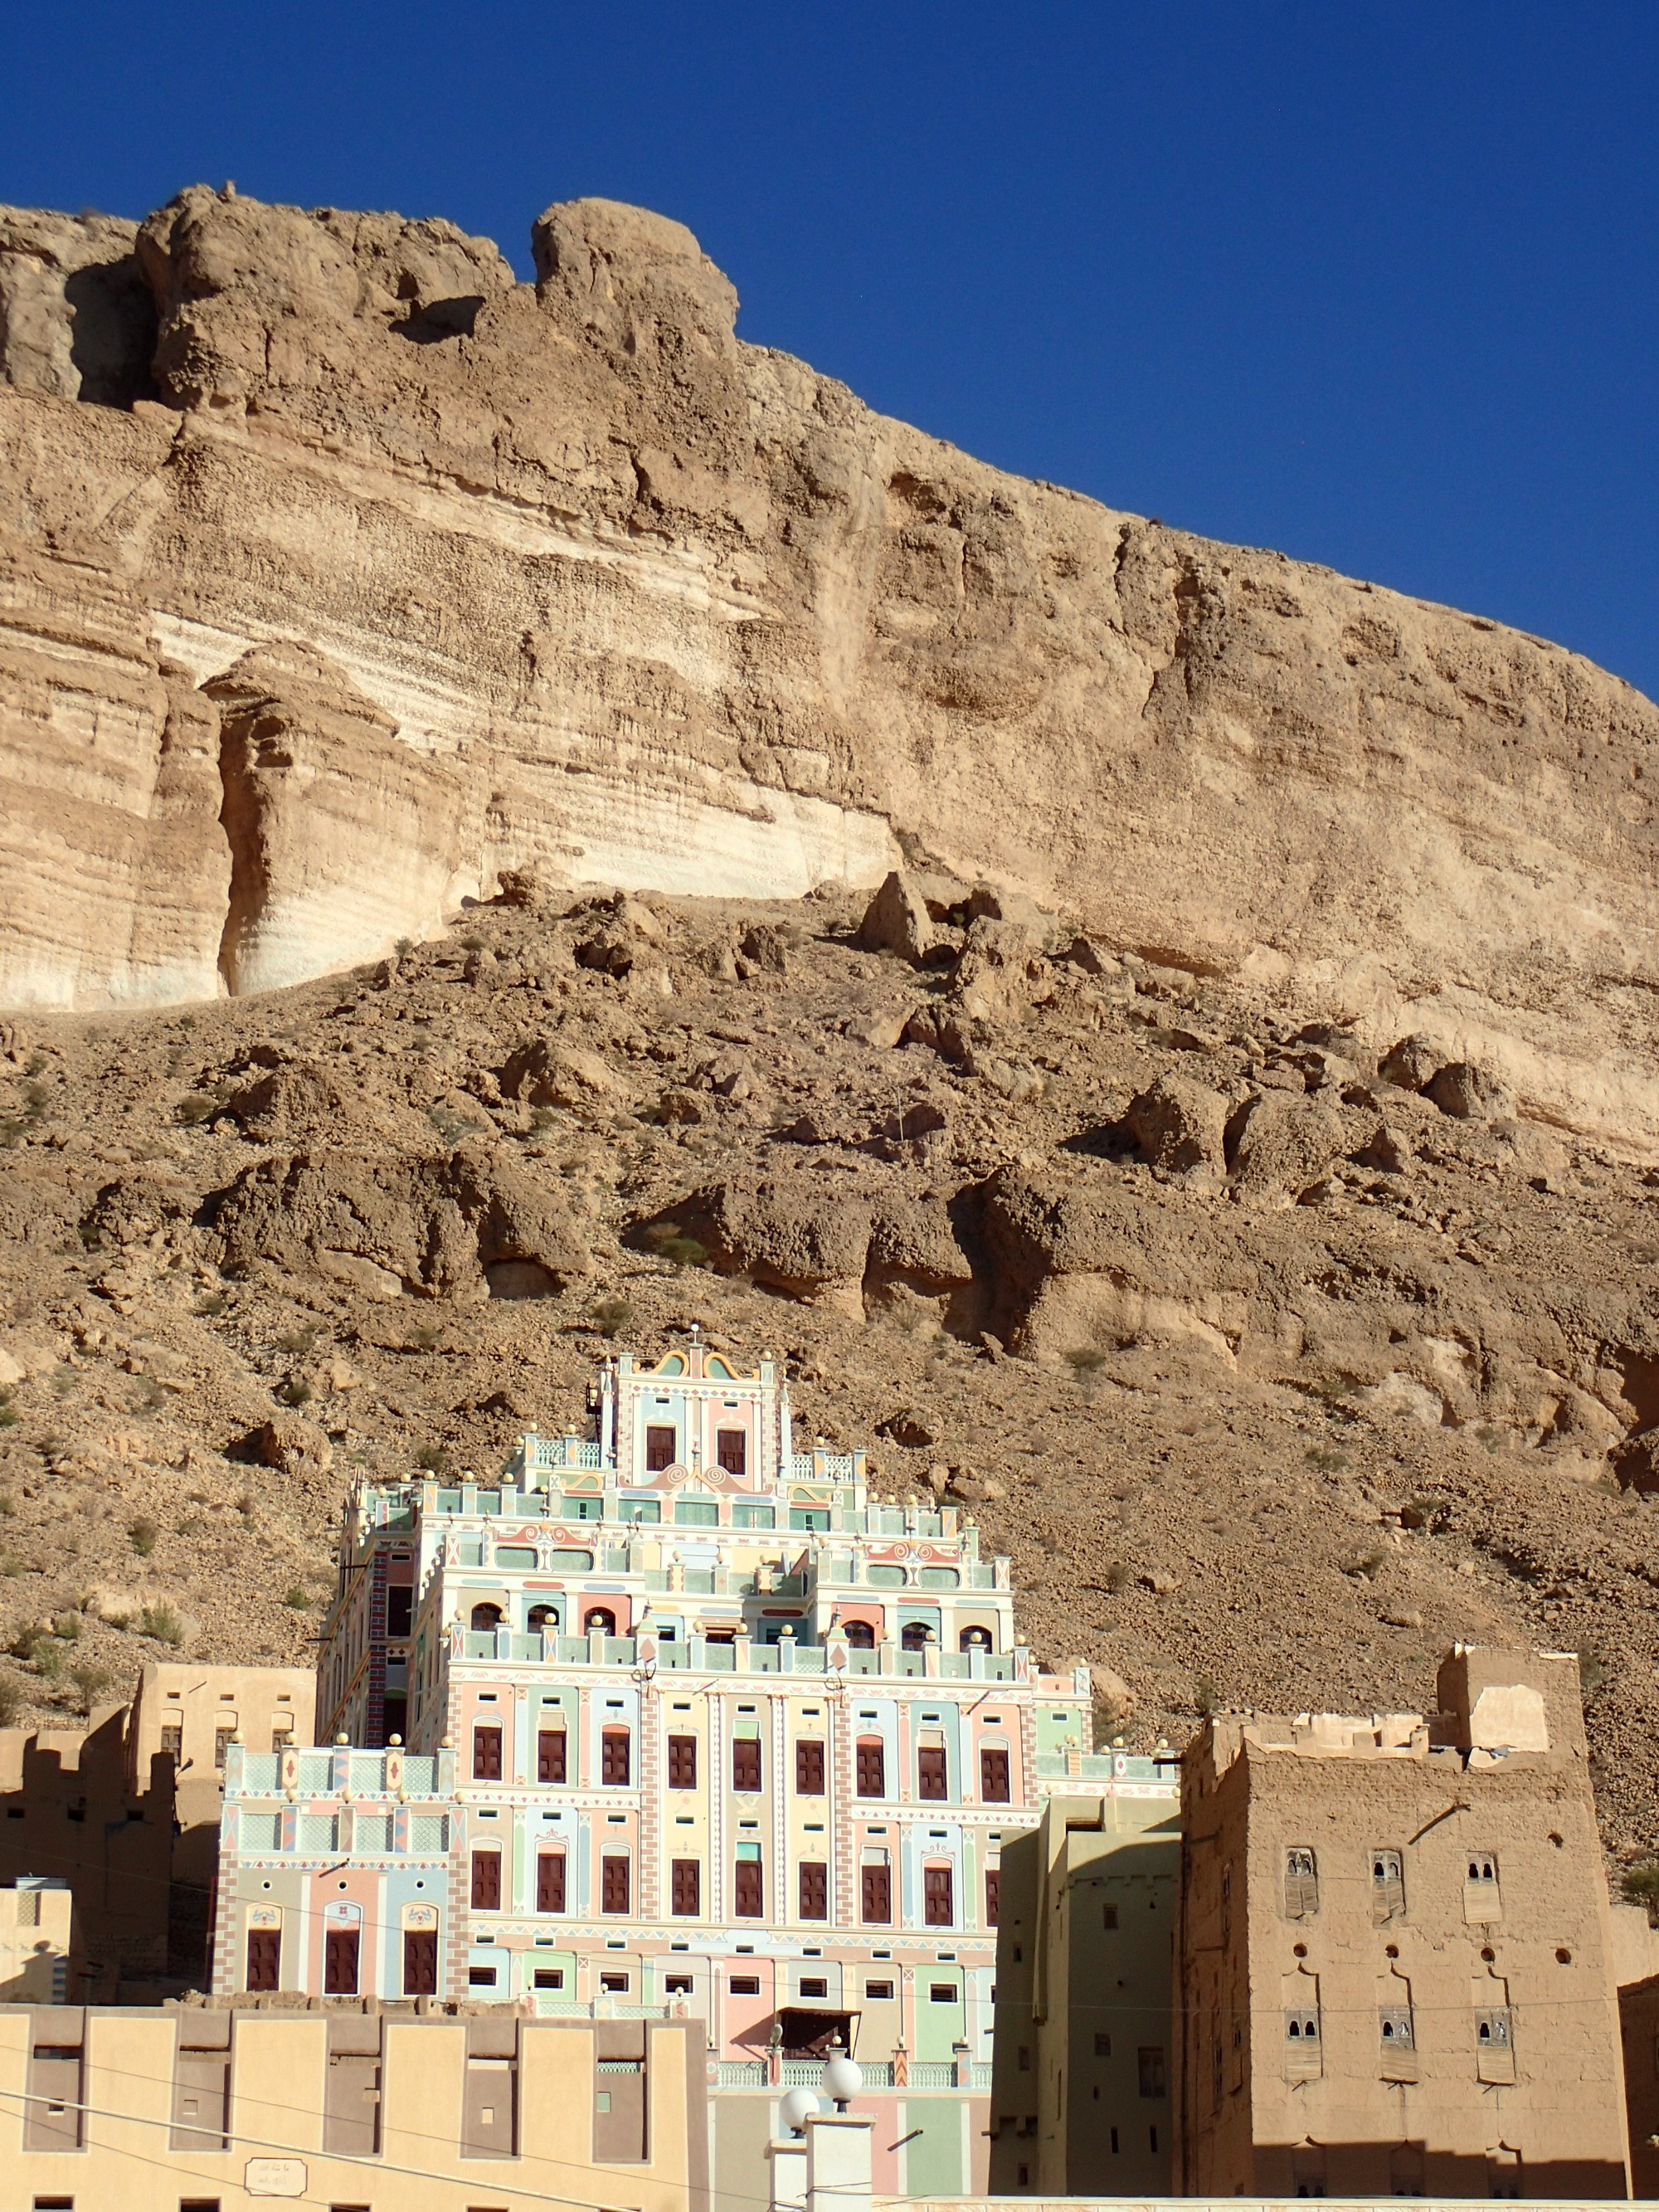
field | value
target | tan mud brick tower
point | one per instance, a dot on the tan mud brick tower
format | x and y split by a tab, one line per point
1394	1968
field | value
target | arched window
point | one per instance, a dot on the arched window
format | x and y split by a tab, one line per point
859	1635
913	1636
542	1620
974	1639
486	1618
601	1619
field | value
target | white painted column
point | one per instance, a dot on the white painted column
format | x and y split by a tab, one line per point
839	2163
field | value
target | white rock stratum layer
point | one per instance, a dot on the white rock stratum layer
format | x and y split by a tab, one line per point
340	573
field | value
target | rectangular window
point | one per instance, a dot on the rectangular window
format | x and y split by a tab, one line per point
550	1755
879	1990
938	1907
613	1757
173	1739
731	1450
746	1985
263	1957
993	1775
550	1978
809	1768
487	1880
686	1886
746	1763
420	1962
486	1755
659	1450
992	1894
340	1962
814	1890
399	1609
942	1993
1103	2045
1388	1886
1301	1883
613	1884
930	1771
1149	2060
877	1895
549	1881
871	1768
813	1985
746	1895
682	1762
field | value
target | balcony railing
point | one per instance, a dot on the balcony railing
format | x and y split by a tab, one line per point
790	1655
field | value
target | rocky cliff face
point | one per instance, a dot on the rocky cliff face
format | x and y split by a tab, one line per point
340	575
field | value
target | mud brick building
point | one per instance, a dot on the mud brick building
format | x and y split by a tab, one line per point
1396	1950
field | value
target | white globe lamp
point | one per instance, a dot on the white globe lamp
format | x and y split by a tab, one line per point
844	2077
798	2106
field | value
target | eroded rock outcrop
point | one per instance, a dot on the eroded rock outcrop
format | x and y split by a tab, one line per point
564	582
466	1227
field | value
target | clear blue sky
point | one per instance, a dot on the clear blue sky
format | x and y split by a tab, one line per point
1375	285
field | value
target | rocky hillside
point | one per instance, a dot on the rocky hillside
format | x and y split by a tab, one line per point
1273	1368
343	576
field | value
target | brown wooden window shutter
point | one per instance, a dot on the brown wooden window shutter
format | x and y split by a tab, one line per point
487	1880
614	1762
809	1768
993	1776
871	1768
814	1890
992	1895
549	1881
938	1904
745	1762
486	1755
420	1962
746	1899
682	1762
340	1962
613	1885
550	1755
877	1894
930	1771
265	1947
686	1887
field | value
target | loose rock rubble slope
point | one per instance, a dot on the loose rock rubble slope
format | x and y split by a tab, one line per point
1274	1363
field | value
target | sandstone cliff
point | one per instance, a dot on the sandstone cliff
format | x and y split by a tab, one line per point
340	573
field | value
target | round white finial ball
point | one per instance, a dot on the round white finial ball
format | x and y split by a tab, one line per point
797	2108
843	2078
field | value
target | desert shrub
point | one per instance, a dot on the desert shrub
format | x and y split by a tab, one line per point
612	1315
1640	1885
210	1304
91	1681
669	1243
434	1458
300	1341
299	1599
11	1700
142	1534
296	1391
159	1621
67	1627
1084	1360
1116	1578
10	1415
1328	1461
